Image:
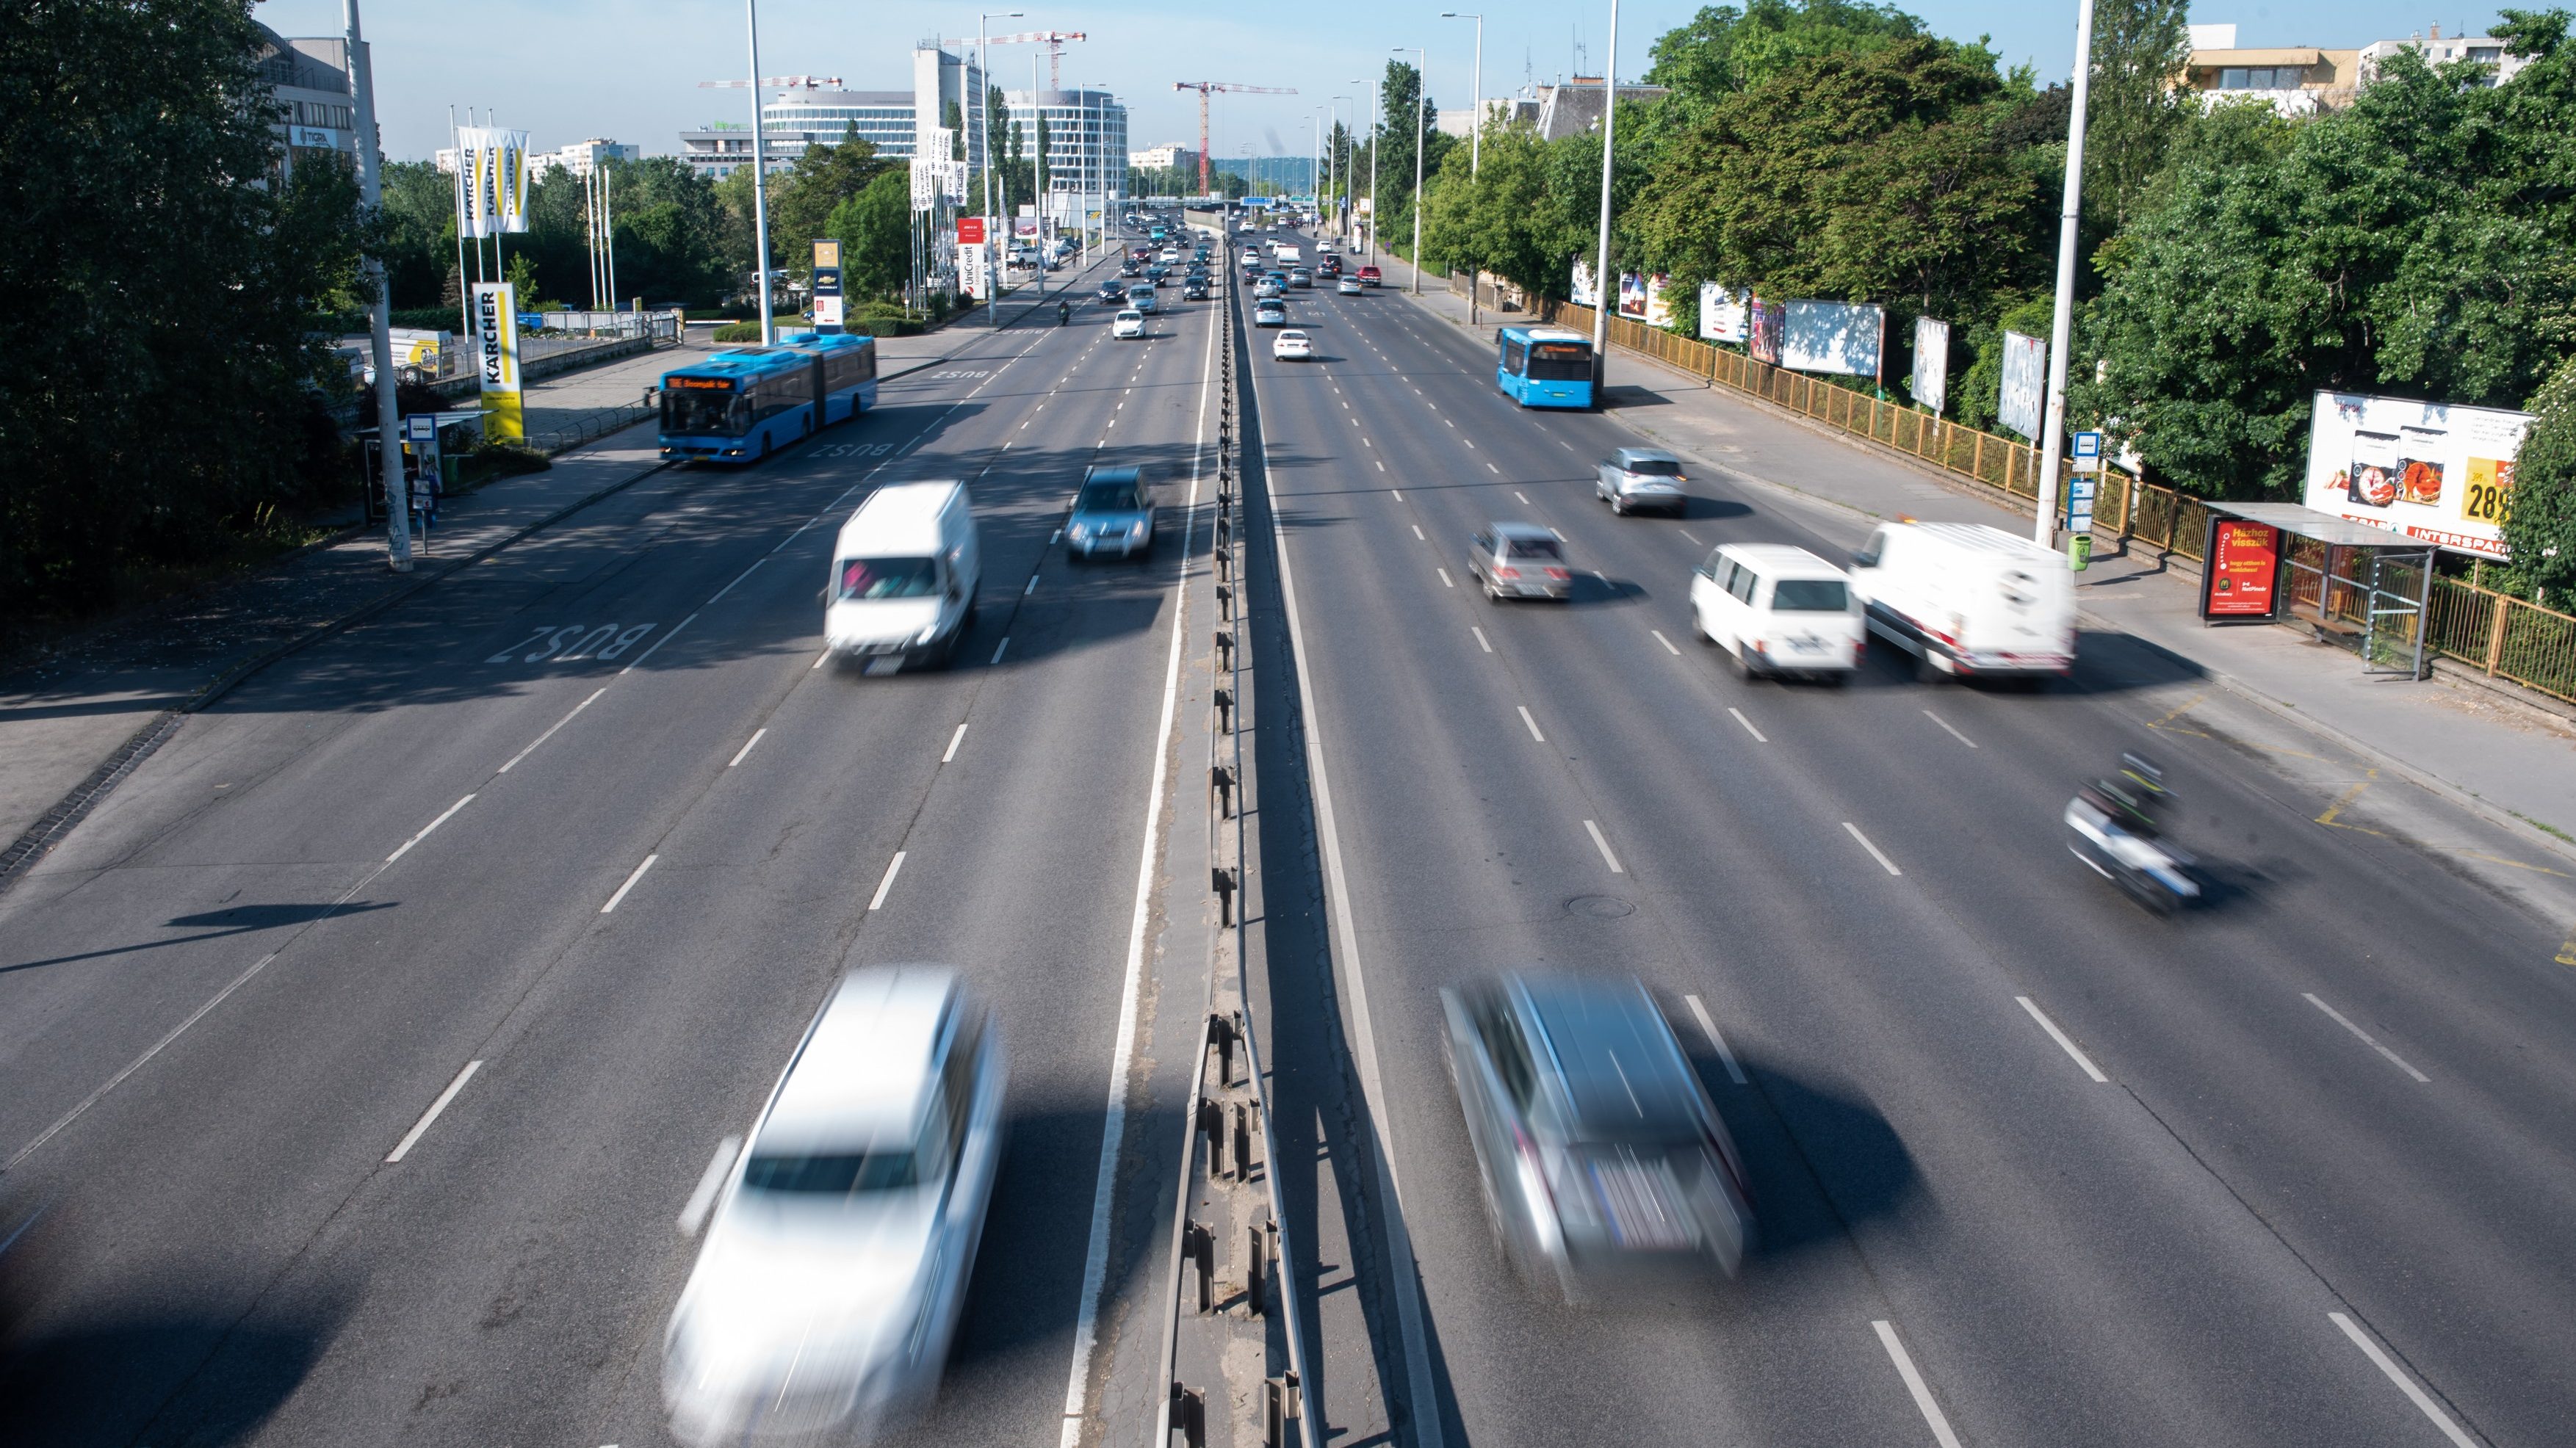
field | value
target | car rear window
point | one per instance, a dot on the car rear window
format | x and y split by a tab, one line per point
836	1174
1535	548
1810	595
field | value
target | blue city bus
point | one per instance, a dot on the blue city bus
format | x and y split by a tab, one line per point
1545	367
739	406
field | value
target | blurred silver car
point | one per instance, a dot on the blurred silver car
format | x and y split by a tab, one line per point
1635	478
1519	560
1603	1162
1113	515
836	1262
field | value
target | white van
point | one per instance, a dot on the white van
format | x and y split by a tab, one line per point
1286	256
1968	600
904	574
1778	610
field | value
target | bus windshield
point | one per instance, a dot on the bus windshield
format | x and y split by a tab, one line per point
688	412
1560	362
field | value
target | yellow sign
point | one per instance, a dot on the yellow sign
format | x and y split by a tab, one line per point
496	355
827	253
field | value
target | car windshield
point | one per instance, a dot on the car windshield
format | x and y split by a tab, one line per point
700	414
1534	548
834	1174
1655	468
1109	497
1809	595
888	578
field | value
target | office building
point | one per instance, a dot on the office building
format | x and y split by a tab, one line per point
1086	133
1174	157
2484	49
883	119
317	110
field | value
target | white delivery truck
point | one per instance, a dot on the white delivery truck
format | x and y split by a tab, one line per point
904	574
1287	256
1968	600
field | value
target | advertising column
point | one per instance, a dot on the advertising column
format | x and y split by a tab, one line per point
496	351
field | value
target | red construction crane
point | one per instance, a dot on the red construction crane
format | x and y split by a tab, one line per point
1204	87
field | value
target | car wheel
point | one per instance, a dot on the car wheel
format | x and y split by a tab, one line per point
1926	671
1745	668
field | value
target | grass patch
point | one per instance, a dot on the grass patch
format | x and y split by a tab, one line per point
2542	825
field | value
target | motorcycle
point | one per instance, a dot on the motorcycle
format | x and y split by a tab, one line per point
2116	836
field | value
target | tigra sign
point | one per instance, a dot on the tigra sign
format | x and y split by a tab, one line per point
496	353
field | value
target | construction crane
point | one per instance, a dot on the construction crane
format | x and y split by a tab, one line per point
1204	88
1053	40
782	82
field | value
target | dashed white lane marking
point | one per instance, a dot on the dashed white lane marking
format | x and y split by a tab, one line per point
1531	723
2366	1038
1734	1072
1914	1384
1417	532
820	660
747	747
1686	533
1757	734
421	1127
1489	467
893	868
953	741
702	1199
1381	467
1884	862
1955	734
1032	588
1524	497
629	885
1667	643
1444	578
1604	846
2422	1400
2064	1042
1480	636
443	817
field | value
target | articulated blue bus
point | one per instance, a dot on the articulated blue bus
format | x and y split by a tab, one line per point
738	406
1545	367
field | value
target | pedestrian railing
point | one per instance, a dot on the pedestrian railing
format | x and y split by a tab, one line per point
2501	635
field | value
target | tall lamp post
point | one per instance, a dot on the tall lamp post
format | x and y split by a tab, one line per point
1421	96
759	180
1604	293
2052	431
362	81
1376	123
1476	123
1333	162
984	109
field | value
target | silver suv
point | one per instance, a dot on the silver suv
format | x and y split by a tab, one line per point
1636	478
1519	560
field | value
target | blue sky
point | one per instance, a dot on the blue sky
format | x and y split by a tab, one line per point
628	69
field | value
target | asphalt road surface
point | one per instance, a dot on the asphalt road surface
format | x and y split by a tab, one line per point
591	822
2032	1168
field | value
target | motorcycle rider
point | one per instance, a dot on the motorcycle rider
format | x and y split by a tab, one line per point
2133	798
1063	313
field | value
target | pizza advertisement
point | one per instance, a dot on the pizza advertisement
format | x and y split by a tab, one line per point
2440	475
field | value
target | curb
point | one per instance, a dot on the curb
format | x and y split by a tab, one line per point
49	828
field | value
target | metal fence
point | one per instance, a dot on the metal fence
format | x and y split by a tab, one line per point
2503	636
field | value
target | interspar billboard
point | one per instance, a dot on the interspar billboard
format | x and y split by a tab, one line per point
2443	475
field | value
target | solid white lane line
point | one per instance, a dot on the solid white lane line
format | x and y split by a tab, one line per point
629	885
1517	493
1914	1384
953	741
1686	533
412	1137
1444	578
702	1199
1734	1072
1758	736
1955	734
747	747
2063	1041
1884	862
550	732
2422	1400
1532	723
1667	643
894	867
451	810
1611	859
1417	532
657	643
2366	1038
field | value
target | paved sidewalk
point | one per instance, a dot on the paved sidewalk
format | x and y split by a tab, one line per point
2504	757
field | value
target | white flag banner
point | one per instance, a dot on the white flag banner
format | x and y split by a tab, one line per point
493	166
510	179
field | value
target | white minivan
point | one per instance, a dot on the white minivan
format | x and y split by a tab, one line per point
1778	610
904	574
1967	600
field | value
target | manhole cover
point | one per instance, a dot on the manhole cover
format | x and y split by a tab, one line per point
1600	907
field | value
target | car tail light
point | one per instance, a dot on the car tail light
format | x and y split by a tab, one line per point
1507	573
1558	575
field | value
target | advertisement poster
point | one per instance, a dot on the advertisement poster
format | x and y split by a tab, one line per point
1642	299
1931	384
496	350
1833	337
970	231
1581	291
2244	569
2442	475
1762	331
972	258
2025	389
1721	313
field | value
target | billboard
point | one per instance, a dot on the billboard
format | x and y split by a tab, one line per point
1931	385
1762	331
2442	475
1833	337
1721	313
2025	384
973	260
496	354
2244	570
970	231
1642	299
1580	291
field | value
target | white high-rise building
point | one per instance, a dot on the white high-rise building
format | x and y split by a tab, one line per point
1086	133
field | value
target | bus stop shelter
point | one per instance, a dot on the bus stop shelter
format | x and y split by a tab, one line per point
2367	589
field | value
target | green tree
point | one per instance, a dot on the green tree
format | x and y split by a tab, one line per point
419	219
954	118
1722	49
2134	111
1395	134
670	233
2540	532
1001	146
802	200
875	228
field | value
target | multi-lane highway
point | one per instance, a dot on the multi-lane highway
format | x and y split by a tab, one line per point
365	1049
2032	1167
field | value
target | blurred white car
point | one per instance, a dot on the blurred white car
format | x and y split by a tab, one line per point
1293	346
835	1265
1128	323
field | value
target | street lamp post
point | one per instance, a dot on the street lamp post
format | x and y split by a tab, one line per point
1376	123
1421	98
759	181
1603	290
1333	162
2052	431
984	108
380	346
1476	112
